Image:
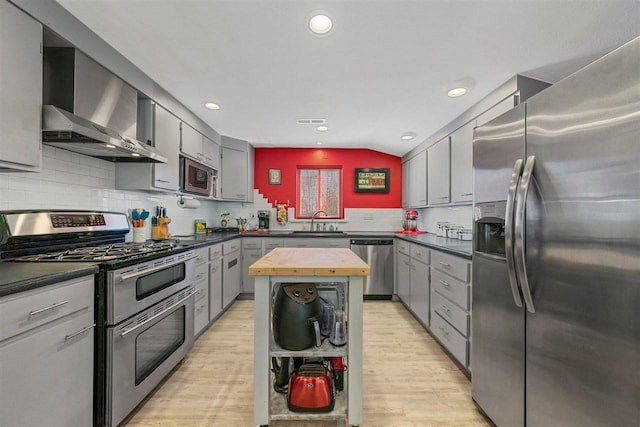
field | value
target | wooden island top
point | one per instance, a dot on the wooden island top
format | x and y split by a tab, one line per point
310	262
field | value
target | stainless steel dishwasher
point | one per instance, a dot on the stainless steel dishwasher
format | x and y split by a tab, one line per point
378	253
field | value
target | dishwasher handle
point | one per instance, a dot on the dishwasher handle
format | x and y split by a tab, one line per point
372	242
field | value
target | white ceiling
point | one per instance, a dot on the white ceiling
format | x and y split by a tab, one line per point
383	70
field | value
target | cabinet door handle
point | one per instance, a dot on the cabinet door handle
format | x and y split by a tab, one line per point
51	307
467	194
162	180
443	197
445	284
445	265
81	331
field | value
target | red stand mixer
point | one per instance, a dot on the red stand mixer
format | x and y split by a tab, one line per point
410	223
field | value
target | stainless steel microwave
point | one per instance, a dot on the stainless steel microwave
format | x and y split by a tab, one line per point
197	178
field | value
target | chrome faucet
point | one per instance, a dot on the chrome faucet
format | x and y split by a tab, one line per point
314	217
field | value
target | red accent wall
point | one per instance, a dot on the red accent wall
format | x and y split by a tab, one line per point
289	159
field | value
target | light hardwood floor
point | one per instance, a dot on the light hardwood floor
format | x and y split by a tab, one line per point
408	380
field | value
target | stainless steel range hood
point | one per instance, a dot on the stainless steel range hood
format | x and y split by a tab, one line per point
89	110
62	129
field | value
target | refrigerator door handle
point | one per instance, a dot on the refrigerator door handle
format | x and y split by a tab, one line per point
508	231
521	200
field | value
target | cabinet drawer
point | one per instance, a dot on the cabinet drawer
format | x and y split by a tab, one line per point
202	272
202	255
453	289
248	243
451	313
201	315
403	247
456	267
450	338
215	251
26	310
420	253
272	244
202	290
229	247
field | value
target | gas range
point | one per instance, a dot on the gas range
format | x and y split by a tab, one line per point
69	236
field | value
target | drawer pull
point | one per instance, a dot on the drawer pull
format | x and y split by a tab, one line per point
445	265
445	284
81	331
51	307
446	309
445	332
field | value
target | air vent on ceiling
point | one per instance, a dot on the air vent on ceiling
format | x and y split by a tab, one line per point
312	121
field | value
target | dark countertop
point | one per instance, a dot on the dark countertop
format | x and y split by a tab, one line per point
455	247
22	276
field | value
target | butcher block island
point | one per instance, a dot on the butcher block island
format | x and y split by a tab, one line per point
332	277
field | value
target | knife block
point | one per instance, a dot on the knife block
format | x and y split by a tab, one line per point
161	231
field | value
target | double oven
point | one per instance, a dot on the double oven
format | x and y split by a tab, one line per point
144	298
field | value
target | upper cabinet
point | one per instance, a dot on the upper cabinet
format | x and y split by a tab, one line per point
462	164
235	165
199	147
416	180
439	172
161	129
21	89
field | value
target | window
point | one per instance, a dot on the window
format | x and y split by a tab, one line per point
319	190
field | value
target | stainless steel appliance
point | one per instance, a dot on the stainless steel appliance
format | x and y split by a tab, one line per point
555	265
197	178
378	253
89	110
144	297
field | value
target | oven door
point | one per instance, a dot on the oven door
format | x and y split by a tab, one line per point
143	350
134	288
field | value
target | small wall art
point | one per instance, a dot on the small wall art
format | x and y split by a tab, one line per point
275	176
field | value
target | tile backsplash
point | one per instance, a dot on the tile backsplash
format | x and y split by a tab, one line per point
72	181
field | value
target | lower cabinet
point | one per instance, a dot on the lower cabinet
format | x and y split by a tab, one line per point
215	281
404	278
413	278
46	356
201	314
231	274
420	298
451	304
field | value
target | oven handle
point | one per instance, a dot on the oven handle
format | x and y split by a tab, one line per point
124	277
155	316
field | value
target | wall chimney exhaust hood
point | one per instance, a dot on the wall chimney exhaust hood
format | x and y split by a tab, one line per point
89	110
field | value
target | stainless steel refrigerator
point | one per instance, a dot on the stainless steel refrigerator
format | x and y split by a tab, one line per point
556	261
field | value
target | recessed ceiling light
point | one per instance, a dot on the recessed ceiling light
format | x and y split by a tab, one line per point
135	154
322	128
110	146
408	135
319	142
456	91
320	24
212	106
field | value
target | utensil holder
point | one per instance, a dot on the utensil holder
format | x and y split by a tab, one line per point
139	235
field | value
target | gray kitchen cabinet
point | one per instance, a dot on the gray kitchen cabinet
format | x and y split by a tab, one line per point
201	283
451	304
199	147
254	248
404	278
438	172
420	281
215	281
498	109
231	274
316	242
21	89
161	129
211	151
462	164
417	182
235	174
405	184
46	355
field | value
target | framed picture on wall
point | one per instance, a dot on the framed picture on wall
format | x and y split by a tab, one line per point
275	176
368	180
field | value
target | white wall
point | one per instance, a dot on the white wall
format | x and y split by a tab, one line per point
73	181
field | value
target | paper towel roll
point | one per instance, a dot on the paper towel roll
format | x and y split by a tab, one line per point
188	203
